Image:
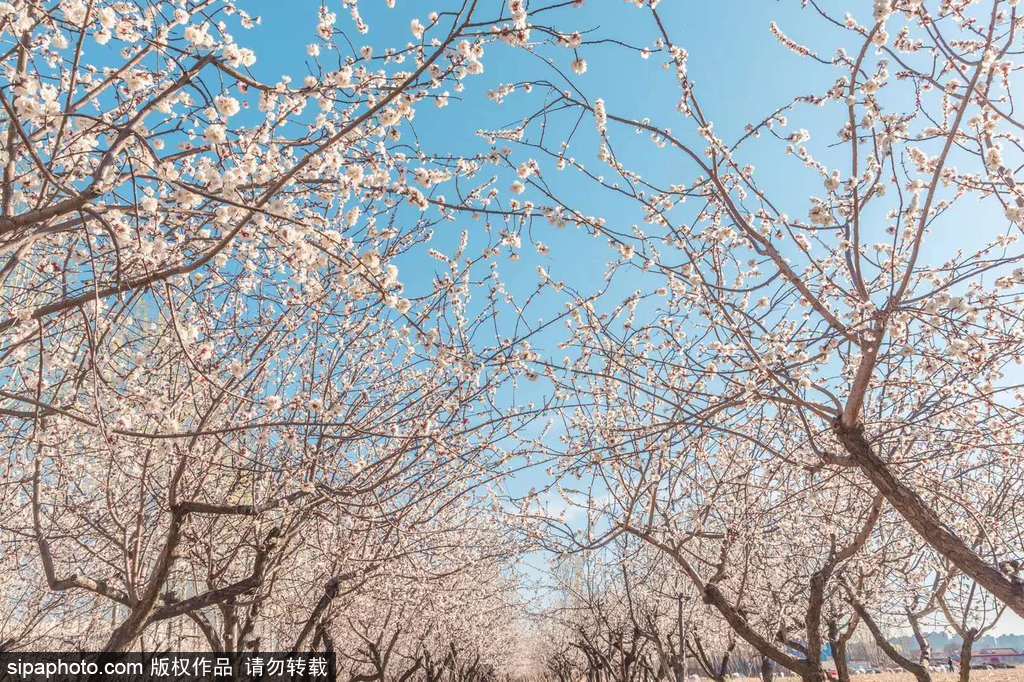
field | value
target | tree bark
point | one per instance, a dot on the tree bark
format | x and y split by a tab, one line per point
129	629
923	645
838	645
817	674
926	522
330	592
919	671
679	670
966	650
712	596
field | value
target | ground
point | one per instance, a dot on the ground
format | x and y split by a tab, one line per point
1015	675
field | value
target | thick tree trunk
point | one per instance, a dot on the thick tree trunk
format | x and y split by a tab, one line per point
839	656
816	674
714	597
966	649
926	522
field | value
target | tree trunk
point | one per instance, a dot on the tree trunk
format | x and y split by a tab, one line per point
919	671
767	673
679	670
923	645
926	522
714	597
965	656
839	656
815	674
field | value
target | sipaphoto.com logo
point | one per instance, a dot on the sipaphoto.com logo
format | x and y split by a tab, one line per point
58	667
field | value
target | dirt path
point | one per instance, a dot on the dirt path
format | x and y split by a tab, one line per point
1015	675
